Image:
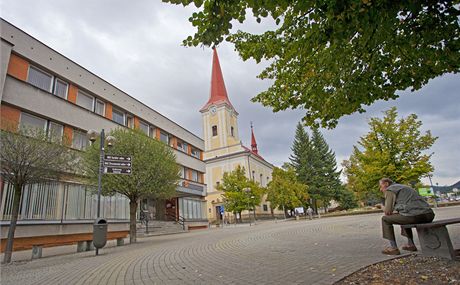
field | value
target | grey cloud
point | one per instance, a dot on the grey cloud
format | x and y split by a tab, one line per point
136	45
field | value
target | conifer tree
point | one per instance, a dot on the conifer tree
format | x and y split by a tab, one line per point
327	183
302	155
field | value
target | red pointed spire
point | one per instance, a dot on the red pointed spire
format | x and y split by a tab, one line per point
218	93
253	141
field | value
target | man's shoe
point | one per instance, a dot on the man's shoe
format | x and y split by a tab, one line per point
409	247
391	251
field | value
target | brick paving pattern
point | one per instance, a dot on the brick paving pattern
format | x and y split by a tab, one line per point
294	252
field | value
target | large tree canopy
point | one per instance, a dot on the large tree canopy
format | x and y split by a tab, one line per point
331	58
234	185
155	173
285	191
392	148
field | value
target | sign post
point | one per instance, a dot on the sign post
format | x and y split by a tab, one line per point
117	164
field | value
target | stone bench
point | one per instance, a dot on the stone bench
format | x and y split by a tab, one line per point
434	238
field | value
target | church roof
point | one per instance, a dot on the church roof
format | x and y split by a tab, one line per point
253	141
218	93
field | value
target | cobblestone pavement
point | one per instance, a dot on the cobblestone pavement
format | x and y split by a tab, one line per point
295	252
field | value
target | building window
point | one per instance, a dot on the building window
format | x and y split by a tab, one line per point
99	108
130	122
265	207
192	209
214	131
182	172
253	175
261	180
182	146
217	184
196	153
40	79
30	122
118	116
232	131
153	132
55	131
164	137
195	175
79	140
144	127
84	100
60	88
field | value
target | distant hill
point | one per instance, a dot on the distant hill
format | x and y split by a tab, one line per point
446	189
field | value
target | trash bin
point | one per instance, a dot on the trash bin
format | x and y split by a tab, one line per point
100	233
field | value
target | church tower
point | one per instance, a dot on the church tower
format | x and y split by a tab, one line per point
220	125
224	151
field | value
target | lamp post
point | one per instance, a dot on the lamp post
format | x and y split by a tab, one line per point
247	190
253	209
432	189
92	136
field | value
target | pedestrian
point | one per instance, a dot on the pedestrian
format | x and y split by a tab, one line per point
310	212
403	205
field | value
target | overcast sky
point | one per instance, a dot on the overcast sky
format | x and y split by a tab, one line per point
136	46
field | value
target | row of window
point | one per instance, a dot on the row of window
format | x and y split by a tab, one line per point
79	138
59	87
61	201
192	209
194	174
28	121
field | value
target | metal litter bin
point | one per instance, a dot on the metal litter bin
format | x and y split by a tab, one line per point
100	233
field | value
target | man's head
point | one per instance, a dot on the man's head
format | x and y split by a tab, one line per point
384	183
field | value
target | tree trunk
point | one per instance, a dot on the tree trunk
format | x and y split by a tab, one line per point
13	222
132	220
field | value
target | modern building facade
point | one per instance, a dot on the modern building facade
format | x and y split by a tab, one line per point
224	150
42	88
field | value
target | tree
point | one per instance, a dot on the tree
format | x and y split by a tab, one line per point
392	148
284	191
332	58
155	173
302	155
29	156
346	198
315	165
326	177
236	199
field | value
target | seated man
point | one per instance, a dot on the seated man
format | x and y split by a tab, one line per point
411	208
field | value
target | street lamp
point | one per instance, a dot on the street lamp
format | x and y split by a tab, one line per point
92	136
253	209
432	189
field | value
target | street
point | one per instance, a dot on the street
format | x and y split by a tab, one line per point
293	252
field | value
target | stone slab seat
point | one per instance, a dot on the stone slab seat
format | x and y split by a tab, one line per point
84	241
434	238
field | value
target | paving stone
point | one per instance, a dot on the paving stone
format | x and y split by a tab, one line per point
296	252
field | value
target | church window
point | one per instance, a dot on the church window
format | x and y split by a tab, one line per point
214	131
232	131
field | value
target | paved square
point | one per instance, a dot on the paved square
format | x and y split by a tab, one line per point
295	252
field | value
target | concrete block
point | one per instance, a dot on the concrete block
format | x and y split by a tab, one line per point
81	246
89	245
37	251
436	242
120	241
